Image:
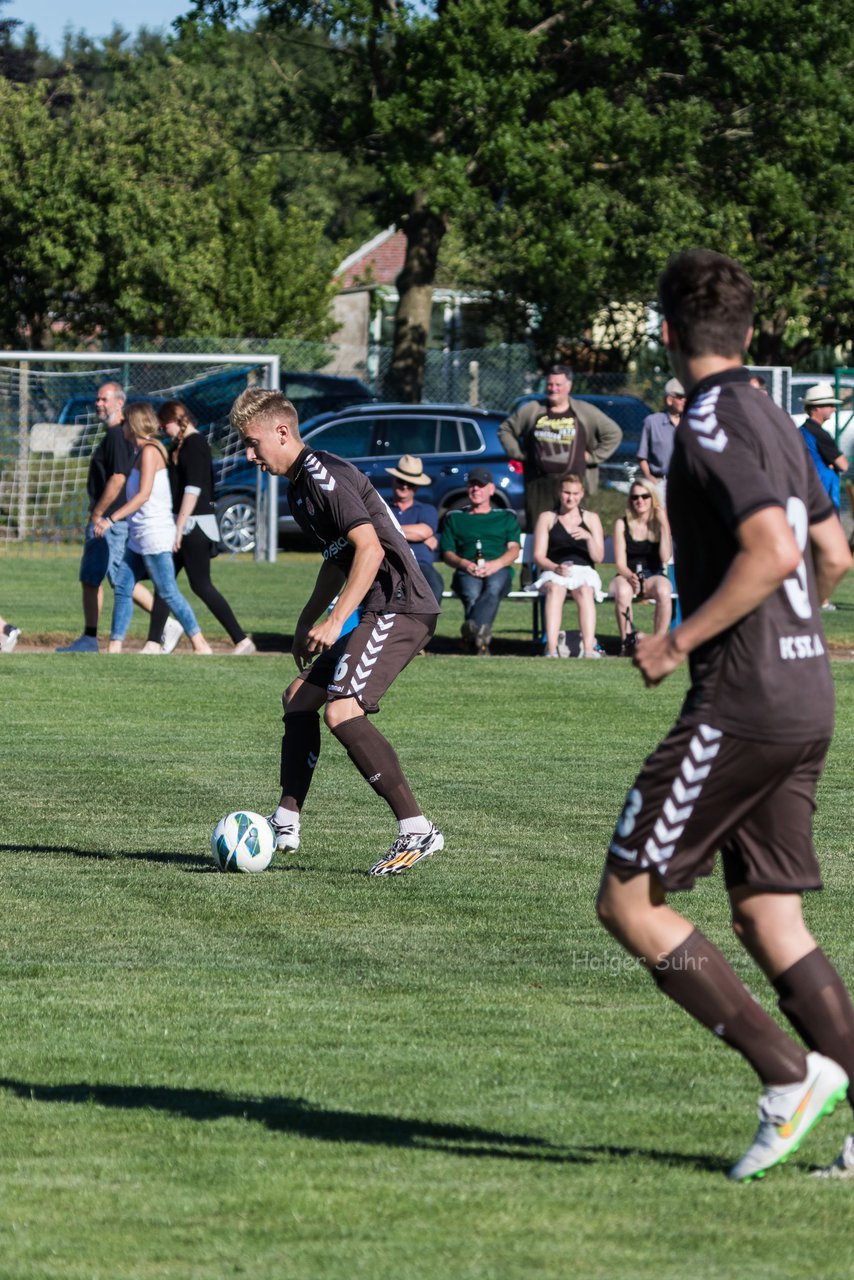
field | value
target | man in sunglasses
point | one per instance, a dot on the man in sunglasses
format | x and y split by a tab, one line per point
758	546
658	432
480	543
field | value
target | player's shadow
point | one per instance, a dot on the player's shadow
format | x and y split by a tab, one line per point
683	1159
190	860
296	1115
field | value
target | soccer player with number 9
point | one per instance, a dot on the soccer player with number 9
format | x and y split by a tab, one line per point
758	546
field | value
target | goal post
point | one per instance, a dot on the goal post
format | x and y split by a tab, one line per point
48	430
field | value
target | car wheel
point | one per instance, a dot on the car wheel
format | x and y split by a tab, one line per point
237	520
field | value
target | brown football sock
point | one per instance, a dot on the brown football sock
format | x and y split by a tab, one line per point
378	764
699	979
300	749
814	999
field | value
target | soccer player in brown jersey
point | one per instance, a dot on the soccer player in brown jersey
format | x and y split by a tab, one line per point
758	546
367	566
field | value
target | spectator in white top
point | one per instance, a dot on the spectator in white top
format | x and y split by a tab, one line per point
151	535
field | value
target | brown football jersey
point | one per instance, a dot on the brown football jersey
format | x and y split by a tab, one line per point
735	453
328	497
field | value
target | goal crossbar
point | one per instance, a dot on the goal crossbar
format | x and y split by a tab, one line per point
271	364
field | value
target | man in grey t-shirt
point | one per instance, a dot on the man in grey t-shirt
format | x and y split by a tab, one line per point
658	431
757	544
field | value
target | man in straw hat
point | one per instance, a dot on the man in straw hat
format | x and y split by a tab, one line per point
821	403
418	520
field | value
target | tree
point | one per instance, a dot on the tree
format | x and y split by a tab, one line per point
419	91
130	208
727	124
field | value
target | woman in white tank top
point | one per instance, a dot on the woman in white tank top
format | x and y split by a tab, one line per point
148	510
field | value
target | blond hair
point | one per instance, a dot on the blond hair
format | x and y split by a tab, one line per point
656	508
260	402
144	427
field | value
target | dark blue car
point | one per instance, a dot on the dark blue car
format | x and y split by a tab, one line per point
449	439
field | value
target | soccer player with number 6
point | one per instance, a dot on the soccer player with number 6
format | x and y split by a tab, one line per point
758	546
367	566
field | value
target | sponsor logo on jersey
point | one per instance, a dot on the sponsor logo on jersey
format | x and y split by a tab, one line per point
332	550
801	647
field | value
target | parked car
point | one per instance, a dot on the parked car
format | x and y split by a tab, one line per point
209	400
628	412
449	438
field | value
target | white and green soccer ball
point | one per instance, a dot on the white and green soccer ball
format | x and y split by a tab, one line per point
243	841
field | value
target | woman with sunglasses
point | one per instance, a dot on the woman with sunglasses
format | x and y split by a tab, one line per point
642	548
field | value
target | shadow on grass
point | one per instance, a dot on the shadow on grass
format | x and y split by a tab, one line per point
193	863
101	855
295	1115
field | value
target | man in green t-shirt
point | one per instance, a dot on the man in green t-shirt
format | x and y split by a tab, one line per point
480	543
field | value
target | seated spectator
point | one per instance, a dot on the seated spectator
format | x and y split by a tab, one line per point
567	544
642	549
657	433
8	636
480	543
418	520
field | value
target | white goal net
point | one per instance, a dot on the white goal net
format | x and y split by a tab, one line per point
49	429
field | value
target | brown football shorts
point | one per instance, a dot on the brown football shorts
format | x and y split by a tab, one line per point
364	663
702	790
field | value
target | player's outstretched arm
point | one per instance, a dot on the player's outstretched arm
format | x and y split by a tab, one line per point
768	554
830	553
329	582
367	560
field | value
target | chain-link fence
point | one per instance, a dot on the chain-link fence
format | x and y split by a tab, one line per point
48	426
492	377
49	429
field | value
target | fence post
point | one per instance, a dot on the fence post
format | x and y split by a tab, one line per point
23	448
474	383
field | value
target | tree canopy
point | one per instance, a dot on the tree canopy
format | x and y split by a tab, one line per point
209	180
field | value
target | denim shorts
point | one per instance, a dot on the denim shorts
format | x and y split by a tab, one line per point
102	557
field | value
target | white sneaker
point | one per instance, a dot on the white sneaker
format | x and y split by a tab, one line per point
172	633
244	647
286	833
590	653
8	639
843	1165
151	646
786	1116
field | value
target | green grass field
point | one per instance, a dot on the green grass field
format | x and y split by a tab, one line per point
316	1074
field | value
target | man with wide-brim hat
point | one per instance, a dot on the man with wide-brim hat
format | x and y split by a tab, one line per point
418	520
821	402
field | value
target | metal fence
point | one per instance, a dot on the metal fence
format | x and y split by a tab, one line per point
48	428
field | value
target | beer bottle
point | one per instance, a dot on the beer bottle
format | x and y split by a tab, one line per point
479	557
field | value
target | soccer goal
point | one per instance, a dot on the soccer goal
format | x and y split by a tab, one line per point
48	430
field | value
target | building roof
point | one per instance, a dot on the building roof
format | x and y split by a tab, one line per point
377	261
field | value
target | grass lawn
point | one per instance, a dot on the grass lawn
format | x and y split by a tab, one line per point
316	1074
